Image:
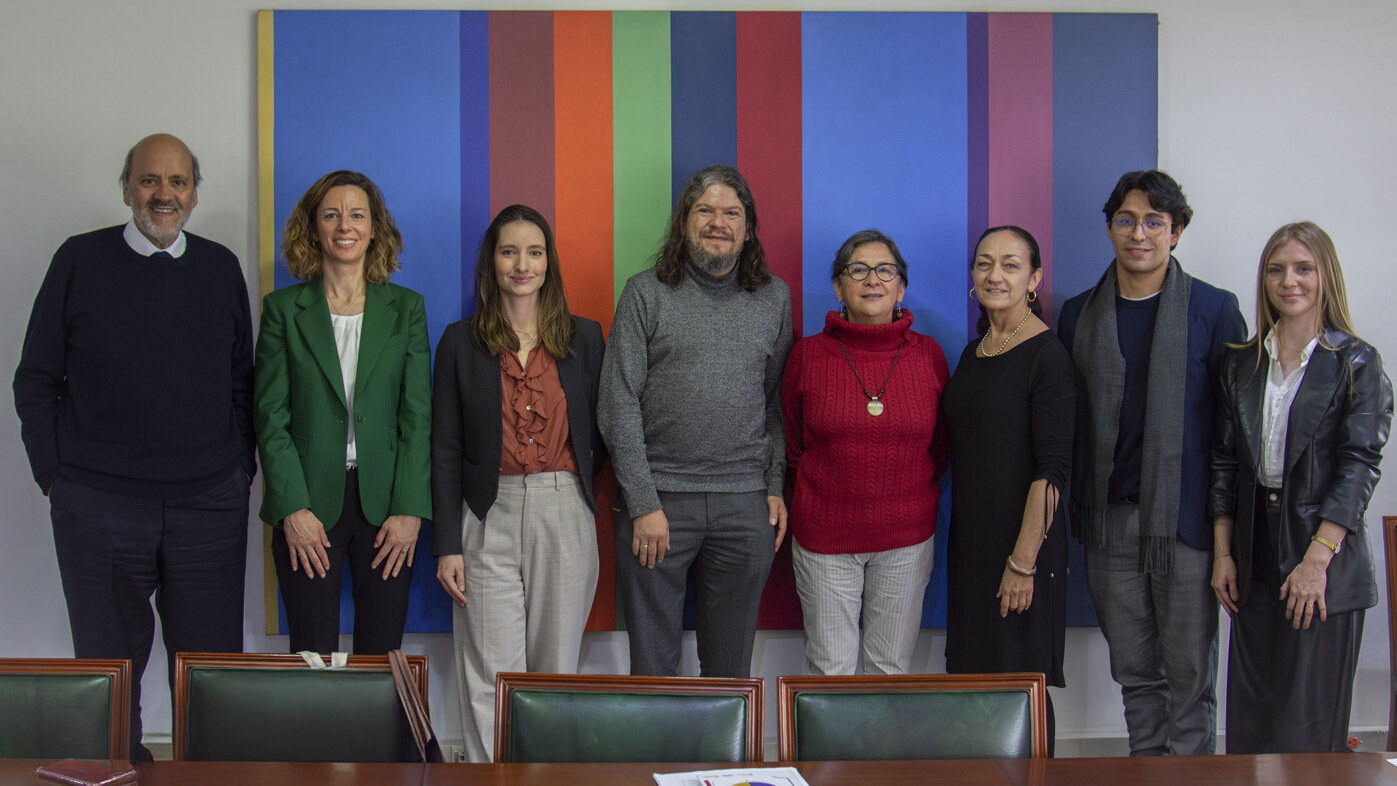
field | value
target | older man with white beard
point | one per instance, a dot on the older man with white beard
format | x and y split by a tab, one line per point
134	397
690	409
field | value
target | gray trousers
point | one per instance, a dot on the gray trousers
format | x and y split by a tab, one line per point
727	540
886	588
531	573
1162	635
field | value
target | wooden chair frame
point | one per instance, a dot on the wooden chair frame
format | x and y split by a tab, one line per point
750	689
186	662
119	726
788	687
1389	544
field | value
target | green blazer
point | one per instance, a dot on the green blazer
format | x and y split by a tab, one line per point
301	417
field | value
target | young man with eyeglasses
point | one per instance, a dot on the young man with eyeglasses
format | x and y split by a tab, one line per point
1147	341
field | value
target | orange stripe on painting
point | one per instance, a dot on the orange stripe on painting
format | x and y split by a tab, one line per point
583	159
584	225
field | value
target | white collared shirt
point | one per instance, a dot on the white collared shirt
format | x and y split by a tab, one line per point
142	245
1275	419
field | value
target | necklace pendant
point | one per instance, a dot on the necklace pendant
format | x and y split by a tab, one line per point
875	407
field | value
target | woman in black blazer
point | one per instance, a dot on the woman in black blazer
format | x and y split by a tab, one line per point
1303	418
514	450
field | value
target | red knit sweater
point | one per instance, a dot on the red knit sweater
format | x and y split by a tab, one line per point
864	483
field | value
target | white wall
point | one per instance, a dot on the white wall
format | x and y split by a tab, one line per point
1268	113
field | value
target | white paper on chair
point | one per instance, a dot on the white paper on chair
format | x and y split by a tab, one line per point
756	776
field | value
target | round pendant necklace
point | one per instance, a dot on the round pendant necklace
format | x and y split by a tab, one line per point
987	354
875	405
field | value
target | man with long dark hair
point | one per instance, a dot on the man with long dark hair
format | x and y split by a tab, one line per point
690	409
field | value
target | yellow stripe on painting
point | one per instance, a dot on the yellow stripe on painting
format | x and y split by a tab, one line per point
266	244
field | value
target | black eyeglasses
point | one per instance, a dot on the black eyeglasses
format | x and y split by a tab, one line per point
858	271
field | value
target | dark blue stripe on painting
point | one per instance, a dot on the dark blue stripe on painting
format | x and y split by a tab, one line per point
475	146
703	92
1105	123
977	105
378	92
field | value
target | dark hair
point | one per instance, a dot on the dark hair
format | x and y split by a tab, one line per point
131	154
555	323
1035	261
1160	189
752	272
301	247
862	237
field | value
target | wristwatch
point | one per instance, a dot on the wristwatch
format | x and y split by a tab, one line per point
1332	545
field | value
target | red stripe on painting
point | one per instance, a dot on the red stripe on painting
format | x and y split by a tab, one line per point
769	135
1020	131
769	155
585	224
521	110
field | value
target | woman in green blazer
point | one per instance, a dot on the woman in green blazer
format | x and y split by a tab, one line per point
343	416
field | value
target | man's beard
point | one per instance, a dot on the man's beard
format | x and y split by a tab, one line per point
712	264
146	221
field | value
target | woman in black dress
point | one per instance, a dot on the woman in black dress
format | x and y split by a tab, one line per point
1010	406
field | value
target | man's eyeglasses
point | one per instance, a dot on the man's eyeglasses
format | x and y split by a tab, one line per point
858	271
1125	226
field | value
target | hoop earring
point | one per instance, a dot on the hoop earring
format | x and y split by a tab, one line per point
972	294
1032	295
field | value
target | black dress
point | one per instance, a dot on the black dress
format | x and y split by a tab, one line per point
1010	418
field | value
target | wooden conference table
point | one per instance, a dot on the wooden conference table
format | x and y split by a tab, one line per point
1310	769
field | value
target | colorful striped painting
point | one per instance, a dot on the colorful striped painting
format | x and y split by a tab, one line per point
930	126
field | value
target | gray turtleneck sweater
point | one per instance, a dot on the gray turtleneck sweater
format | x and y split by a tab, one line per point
691	387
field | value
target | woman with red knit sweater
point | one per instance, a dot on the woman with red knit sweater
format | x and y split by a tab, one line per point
865	445
1010	406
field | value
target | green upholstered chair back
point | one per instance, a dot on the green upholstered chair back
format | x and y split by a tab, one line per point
913	717
600	718
275	708
64	708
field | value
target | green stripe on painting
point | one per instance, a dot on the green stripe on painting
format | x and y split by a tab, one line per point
640	137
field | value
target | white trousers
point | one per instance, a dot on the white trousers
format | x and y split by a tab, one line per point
531	573
886	586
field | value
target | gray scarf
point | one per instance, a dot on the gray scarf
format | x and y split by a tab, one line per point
1096	352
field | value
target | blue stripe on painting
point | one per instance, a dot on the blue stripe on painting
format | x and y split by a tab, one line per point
475	213
379	93
703	92
884	136
1097	139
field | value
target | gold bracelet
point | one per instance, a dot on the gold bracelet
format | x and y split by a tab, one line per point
1217	557
1013	566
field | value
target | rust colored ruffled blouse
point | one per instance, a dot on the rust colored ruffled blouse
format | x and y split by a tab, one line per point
535	413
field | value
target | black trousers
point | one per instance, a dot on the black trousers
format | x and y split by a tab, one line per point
1288	691
116	551
313	605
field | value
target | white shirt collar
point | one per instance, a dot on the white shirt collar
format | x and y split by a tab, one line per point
142	245
1271	351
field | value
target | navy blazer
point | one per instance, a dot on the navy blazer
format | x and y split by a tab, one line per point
1214	320
1336	430
468	430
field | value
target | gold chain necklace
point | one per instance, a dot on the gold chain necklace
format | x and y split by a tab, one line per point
986	353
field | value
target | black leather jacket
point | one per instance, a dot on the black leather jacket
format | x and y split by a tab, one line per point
1338	425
